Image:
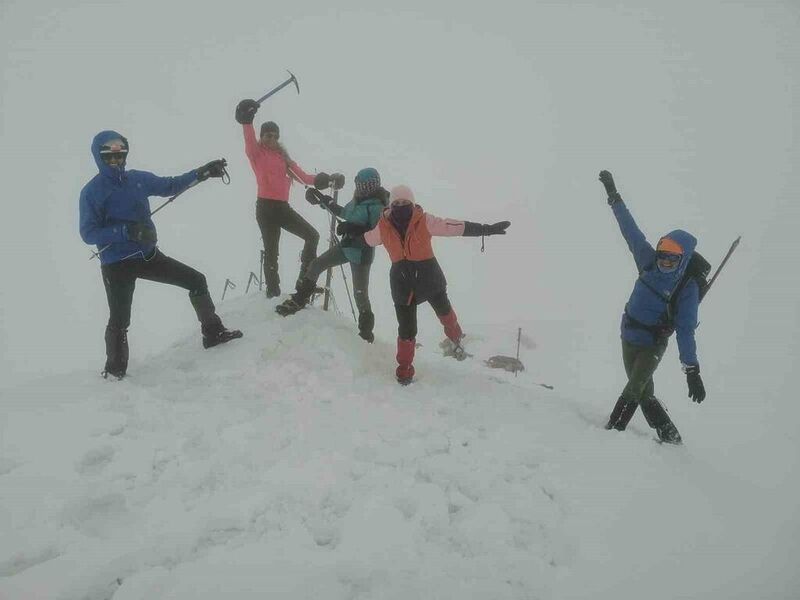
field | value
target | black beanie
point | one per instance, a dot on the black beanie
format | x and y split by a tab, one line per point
270	126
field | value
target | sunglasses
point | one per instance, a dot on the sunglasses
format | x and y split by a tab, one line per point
109	156
668	257
271	135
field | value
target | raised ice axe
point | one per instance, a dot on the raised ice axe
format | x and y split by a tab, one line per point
291	79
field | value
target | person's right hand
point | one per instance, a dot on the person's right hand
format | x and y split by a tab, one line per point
246	111
141	232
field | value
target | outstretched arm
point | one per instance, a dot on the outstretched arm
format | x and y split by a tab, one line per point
444	227
167	186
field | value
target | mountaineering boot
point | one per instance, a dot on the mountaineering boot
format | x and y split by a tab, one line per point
272	281
298	300
659	420
622	414
452	345
214	332
405	358
116	352
366	323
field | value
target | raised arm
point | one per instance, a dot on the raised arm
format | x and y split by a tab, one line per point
250	142
641	249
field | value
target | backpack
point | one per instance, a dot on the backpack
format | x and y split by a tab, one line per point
697	269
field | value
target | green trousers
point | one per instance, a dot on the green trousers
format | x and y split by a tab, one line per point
640	364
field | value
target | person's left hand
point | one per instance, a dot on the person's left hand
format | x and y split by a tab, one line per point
215	168
496	228
697	391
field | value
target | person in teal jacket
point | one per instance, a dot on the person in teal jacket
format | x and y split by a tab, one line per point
358	216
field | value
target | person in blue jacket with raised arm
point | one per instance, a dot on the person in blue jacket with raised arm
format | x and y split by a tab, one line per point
115	216
664	299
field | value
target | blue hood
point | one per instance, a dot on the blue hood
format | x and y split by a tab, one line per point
688	242
100	139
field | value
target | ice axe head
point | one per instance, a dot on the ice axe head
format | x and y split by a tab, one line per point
293	79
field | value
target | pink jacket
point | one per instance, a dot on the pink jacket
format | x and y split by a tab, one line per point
273	174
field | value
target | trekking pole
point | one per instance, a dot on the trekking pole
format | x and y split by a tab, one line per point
249	281
347	287
733	247
261	272
333	240
519	339
228	284
291	79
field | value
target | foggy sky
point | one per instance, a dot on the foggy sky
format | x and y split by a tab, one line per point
494	112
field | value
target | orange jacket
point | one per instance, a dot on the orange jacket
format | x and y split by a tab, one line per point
416	245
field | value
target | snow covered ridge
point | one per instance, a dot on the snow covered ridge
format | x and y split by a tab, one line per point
291	465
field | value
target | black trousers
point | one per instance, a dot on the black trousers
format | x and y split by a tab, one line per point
119	279
407	314
272	217
334	257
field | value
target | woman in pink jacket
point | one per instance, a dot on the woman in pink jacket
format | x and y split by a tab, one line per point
274	172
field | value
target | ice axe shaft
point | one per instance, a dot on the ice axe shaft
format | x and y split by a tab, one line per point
291	79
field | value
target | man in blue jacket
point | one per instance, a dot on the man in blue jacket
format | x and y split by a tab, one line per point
115	216
663	300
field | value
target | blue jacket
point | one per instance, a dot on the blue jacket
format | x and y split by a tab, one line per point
362	211
653	289
114	198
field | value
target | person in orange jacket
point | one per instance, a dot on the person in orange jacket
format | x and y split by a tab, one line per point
406	231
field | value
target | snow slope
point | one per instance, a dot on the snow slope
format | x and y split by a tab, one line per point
290	465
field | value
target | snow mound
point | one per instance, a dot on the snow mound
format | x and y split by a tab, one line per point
289	464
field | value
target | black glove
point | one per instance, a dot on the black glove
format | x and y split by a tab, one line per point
337	181
611	189
246	111
477	230
496	228
322	181
315	197
351	229
215	168
697	392
141	232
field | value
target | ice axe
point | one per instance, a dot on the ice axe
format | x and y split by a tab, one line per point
291	79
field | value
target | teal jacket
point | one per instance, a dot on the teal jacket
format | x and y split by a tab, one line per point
362	211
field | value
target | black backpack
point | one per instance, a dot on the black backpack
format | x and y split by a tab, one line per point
697	269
